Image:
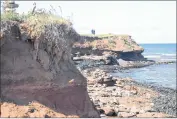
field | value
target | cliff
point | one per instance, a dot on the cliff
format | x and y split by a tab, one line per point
38	77
125	47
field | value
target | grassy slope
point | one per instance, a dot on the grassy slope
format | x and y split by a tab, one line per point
105	35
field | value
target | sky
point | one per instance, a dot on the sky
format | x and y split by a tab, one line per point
145	21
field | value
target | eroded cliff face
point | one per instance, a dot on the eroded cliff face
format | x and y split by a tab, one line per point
40	70
124	46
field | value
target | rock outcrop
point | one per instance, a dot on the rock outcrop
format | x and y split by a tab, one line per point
123	45
39	69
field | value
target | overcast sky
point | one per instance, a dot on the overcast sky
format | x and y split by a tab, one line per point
145	21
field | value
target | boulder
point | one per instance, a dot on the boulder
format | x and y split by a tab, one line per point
126	114
135	110
109	111
111	60
122	62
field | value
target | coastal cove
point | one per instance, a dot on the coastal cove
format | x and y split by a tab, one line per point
49	69
81	74
162	75
156	72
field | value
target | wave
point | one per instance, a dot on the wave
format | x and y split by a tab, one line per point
169	54
152	56
159	53
168	59
155	55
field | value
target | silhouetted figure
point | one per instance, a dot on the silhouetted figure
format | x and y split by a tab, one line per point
93	31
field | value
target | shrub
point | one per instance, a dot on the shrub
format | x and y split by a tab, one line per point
10	16
39	19
111	41
36	20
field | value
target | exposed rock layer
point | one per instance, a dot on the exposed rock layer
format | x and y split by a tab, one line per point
125	48
40	69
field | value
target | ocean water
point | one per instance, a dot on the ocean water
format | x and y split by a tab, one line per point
160	51
159	75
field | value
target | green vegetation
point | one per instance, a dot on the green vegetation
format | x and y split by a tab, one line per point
40	19
130	46
9	11
105	35
99	35
111	43
42	16
10	16
102	36
35	20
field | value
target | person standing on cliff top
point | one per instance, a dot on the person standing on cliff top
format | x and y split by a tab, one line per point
93	32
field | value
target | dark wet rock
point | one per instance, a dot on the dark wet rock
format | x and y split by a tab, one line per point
101	111
31	110
84	64
47	116
165	102
111	60
109	111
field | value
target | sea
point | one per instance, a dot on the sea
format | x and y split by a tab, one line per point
163	75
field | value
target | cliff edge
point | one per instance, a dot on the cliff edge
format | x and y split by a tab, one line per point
123	45
38	77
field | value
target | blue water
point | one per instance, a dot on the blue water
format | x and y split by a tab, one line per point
162	75
160	51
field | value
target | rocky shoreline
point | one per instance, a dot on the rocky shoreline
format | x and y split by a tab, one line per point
84	62
124	97
166	100
39	78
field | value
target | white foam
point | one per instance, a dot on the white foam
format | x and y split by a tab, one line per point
152	56
156	55
168	59
169	54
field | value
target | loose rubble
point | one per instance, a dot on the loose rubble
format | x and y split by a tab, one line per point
121	98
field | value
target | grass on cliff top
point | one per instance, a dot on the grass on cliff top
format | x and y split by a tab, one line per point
98	35
39	20
10	16
40	15
36	21
105	35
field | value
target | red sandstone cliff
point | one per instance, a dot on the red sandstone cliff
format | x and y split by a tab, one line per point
38	78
